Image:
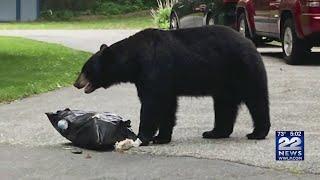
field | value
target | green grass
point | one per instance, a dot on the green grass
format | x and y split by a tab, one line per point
30	67
129	21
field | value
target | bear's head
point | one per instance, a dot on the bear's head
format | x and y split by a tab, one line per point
94	73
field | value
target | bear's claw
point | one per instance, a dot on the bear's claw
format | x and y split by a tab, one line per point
144	141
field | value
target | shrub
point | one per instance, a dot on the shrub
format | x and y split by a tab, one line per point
64	15
111	7
57	15
161	15
60	10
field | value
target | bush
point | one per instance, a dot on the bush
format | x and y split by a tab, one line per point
60	5
64	15
56	10
113	7
57	15
161	15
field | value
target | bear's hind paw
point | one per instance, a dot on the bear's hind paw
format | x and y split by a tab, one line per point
161	140
214	135
256	136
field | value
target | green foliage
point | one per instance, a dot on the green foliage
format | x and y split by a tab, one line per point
57	15
89	4
161	15
162	18
64	15
66	9
112	7
139	20
30	67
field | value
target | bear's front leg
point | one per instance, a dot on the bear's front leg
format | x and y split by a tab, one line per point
148	119
167	121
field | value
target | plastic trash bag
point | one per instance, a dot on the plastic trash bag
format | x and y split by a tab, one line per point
91	130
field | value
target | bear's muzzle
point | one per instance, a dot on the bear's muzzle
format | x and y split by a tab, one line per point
81	81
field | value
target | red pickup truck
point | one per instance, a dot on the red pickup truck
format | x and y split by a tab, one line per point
295	23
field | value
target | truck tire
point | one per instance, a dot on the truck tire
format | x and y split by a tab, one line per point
210	20
294	49
174	21
243	26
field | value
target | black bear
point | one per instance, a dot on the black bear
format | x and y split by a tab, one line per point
211	61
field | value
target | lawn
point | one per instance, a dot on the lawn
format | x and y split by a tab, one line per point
30	67
128	21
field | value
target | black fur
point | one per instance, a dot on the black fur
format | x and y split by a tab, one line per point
208	61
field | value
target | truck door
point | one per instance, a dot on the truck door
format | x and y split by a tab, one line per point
274	17
261	16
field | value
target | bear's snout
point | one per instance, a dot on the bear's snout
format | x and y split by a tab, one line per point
81	82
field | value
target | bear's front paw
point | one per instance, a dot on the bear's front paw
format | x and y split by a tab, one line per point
214	135
144	141
161	140
256	136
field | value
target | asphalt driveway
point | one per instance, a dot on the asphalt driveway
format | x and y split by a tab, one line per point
294	97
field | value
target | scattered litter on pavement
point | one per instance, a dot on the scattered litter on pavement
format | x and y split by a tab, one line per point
127	144
88	156
67	147
76	151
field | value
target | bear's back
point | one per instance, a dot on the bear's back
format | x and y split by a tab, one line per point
209	40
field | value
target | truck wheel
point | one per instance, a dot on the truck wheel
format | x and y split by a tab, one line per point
174	21
210	20
243	28
243	25
293	48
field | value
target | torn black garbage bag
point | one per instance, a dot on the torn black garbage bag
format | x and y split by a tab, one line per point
91	130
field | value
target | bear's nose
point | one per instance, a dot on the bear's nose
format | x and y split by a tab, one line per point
81	82
76	84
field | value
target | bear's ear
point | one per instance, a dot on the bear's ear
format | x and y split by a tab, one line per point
103	47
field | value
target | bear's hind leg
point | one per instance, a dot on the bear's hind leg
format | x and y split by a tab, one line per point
259	110
167	122
226	111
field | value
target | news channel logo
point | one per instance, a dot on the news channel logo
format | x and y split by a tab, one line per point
289	145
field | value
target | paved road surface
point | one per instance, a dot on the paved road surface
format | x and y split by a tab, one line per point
294	97
53	162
